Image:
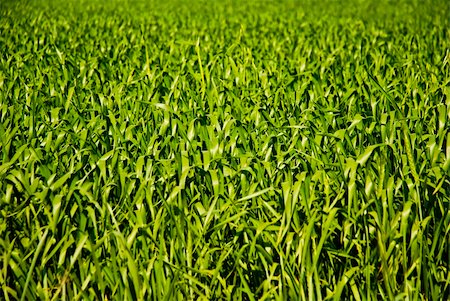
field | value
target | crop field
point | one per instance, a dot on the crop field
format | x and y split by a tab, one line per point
224	150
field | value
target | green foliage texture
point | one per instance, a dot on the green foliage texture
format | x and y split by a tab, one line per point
224	150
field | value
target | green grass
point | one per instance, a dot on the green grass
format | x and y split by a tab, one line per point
233	150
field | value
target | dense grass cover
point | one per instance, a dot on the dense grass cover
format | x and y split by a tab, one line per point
224	150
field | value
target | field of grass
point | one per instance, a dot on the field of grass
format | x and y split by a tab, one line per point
224	150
